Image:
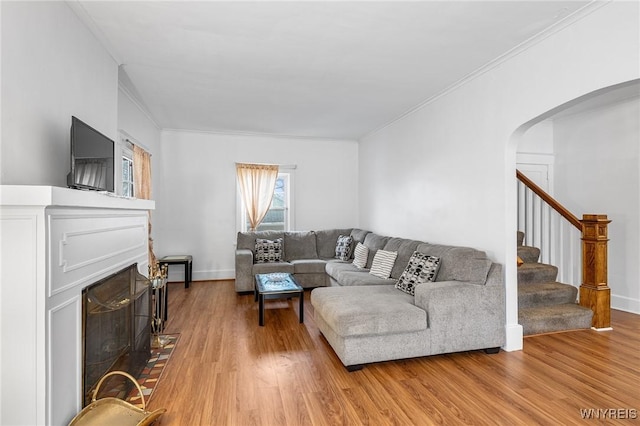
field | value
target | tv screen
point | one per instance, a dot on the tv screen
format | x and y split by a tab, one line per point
92	158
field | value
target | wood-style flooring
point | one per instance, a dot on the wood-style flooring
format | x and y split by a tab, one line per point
226	370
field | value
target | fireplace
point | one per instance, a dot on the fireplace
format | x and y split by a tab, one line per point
116	328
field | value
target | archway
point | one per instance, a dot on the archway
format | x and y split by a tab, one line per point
582	133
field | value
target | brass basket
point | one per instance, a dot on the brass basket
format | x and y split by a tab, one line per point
114	411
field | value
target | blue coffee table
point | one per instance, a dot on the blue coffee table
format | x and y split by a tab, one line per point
277	286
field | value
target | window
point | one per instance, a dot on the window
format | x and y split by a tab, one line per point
278	218
124	179
127	176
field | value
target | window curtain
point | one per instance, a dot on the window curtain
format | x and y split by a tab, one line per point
257	182
142	186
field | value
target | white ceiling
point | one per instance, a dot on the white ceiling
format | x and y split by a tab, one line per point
317	69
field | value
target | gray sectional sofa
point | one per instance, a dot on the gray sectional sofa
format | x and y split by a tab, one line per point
367	319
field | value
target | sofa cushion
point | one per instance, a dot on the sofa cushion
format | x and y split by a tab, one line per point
421	268
383	263
374	242
308	266
268	250
358	235
368	310
360	278
300	245
360	256
326	241
459	263
333	267
405	249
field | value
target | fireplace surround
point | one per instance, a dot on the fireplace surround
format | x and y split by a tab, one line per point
56	242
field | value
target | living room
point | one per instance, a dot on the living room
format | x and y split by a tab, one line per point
428	152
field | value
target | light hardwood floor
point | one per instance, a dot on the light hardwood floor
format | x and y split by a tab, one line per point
226	370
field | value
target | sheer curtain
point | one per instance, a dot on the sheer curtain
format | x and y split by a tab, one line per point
142	186
257	182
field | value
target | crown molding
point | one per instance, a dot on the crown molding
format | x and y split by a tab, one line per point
261	135
138	103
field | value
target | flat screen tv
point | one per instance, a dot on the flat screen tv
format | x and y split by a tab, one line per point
92	158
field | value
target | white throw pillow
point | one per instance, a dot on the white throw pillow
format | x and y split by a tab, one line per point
383	263
360	255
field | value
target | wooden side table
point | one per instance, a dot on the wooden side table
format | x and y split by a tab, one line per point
182	259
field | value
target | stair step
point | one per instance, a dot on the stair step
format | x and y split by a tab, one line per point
529	254
554	318
520	238
546	294
533	273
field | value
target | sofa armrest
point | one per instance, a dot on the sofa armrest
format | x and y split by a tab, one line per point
464	316
244	270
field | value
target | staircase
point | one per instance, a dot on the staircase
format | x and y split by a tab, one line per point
545	305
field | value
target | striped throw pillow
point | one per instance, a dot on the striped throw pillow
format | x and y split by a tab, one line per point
383	263
360	255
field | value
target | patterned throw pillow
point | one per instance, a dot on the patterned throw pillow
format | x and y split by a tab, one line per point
383	263
360	255
268	251
421	268
343	247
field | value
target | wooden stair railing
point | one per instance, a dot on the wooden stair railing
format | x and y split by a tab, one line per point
594	290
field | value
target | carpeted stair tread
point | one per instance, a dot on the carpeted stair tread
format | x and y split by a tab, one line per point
545	294
529	254
532	273
548	319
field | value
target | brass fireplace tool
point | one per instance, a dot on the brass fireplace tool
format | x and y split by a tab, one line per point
158	278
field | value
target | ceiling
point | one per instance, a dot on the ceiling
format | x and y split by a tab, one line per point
328	69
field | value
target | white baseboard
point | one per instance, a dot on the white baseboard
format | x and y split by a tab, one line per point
626	304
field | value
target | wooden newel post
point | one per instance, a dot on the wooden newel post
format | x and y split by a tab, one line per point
594	291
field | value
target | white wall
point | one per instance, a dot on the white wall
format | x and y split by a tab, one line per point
196	206
52	68
446	173
597	171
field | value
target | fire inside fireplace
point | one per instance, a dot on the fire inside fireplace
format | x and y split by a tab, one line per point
116	328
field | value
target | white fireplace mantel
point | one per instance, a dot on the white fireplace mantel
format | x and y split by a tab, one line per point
54	243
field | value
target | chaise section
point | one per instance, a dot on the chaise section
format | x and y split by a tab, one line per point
370	323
